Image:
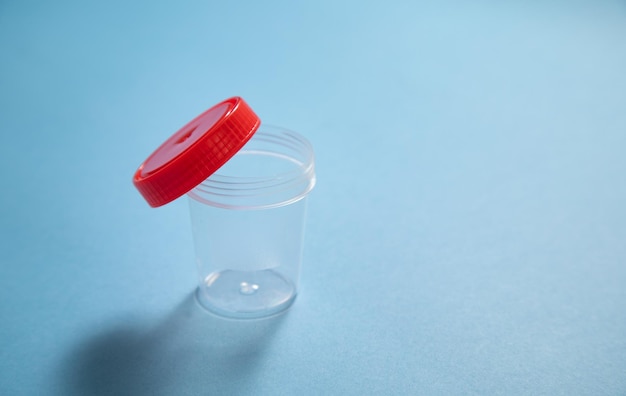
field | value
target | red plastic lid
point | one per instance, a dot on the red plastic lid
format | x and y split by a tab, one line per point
196	151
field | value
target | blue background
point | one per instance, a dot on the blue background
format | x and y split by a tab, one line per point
467	234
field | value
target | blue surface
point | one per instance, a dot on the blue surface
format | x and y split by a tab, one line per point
467	234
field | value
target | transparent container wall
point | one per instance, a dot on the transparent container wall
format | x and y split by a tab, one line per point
248	226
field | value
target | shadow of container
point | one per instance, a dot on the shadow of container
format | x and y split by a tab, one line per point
189	352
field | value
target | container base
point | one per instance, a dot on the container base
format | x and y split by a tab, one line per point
246	294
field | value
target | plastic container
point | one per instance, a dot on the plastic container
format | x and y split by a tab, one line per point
248	225
247	187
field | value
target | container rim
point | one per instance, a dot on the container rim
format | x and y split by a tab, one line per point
273	190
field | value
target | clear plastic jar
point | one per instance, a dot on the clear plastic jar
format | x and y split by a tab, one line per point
248	225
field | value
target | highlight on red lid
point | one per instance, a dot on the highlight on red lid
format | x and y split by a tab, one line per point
196	151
